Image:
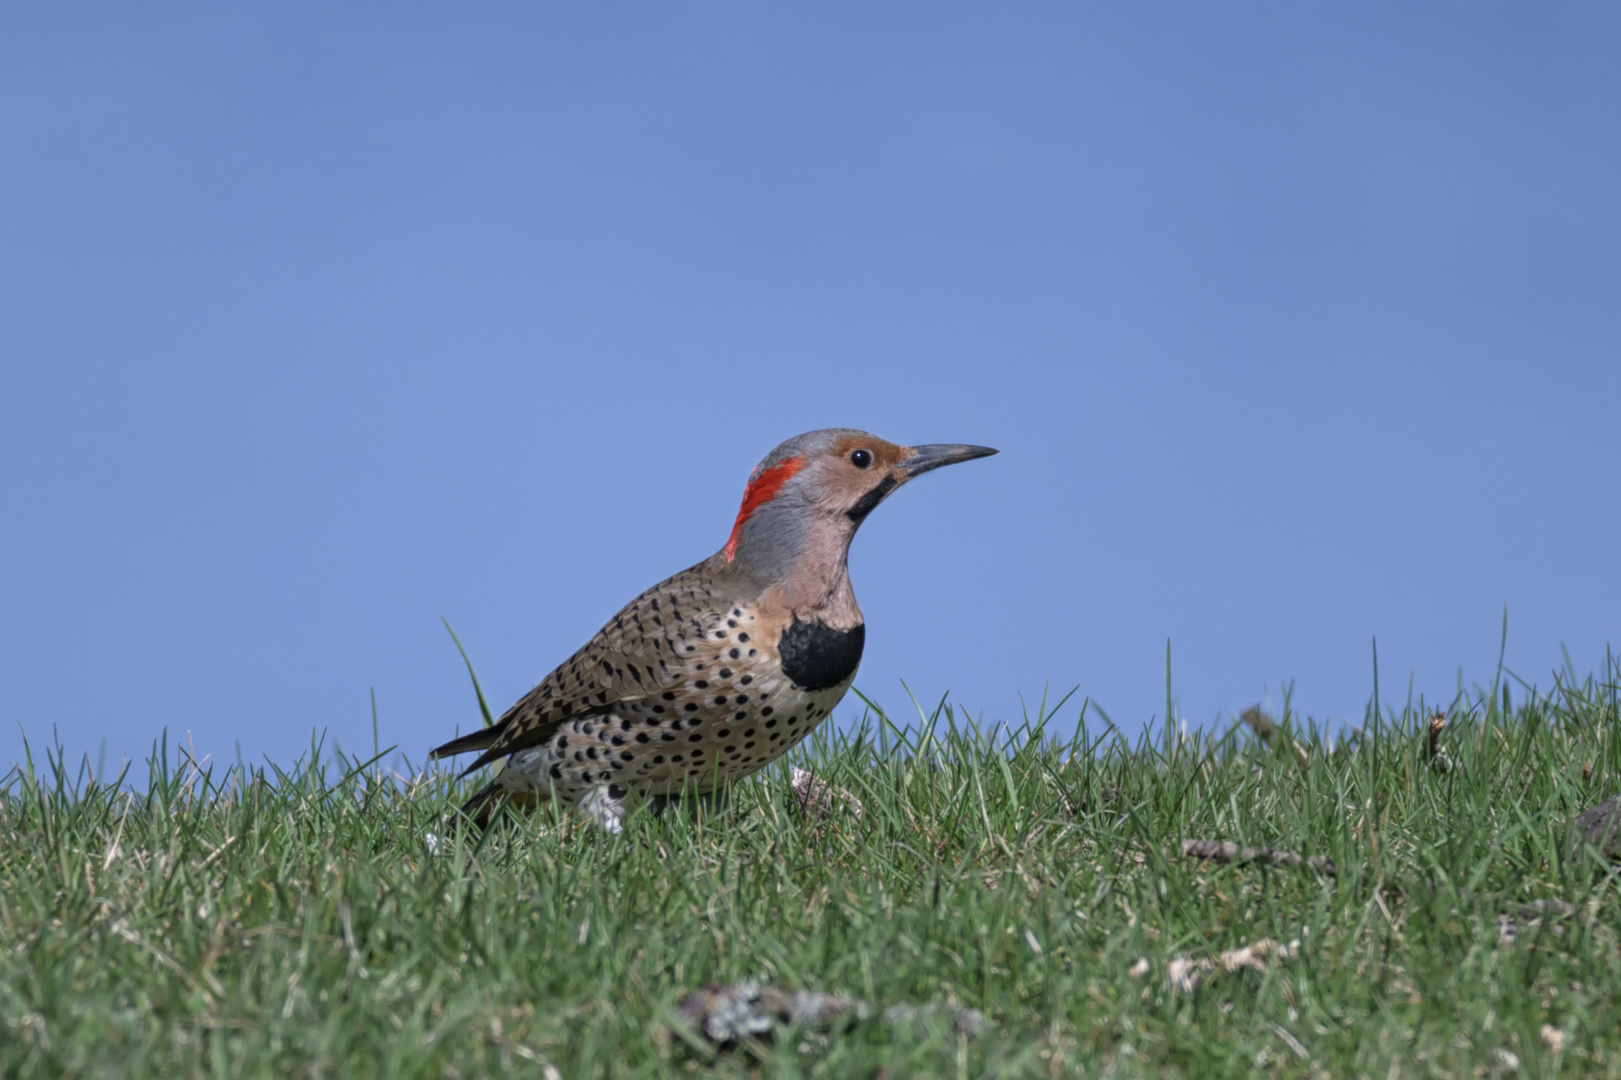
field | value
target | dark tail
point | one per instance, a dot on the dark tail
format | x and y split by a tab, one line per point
486	802
485	805
482	739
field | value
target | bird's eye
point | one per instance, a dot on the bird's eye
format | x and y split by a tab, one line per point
861	458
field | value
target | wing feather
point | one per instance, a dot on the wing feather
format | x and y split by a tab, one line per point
643	650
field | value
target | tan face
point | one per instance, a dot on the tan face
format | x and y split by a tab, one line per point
855	466
804	503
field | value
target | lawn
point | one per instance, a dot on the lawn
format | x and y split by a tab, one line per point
330	919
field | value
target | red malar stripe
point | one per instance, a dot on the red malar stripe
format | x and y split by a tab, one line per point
761	490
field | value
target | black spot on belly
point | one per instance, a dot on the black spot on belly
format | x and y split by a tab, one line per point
817	657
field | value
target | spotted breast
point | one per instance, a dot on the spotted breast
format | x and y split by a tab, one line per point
712	674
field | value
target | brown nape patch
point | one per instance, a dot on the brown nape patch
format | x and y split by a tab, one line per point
843	483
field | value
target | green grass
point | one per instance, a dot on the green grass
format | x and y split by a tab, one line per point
246	922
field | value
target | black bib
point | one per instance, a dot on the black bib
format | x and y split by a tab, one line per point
817	657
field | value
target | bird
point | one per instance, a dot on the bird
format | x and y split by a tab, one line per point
711	674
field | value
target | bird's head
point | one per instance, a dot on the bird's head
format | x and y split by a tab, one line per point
813	492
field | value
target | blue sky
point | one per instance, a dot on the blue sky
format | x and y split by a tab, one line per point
1297	326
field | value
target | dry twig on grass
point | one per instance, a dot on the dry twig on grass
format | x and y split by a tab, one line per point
1225	851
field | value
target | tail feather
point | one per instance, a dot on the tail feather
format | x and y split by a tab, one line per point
486	803
482	739
483	804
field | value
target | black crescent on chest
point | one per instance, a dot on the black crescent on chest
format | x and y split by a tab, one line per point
817	657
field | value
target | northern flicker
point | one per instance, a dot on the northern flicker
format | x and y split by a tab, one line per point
716	672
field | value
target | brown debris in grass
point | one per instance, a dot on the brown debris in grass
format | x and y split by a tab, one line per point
1433	753
748	1010
1264	728
1077	806
1599	826
1259	722
1184	974
1508	930
1225	851
816	798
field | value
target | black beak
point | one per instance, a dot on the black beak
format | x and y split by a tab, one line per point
925	458
922	459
